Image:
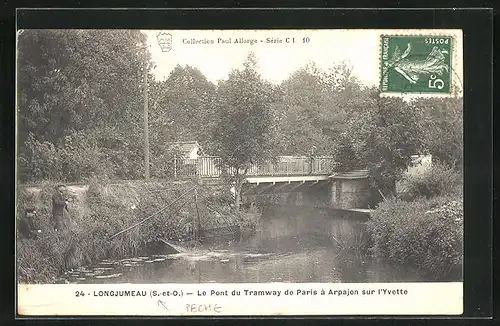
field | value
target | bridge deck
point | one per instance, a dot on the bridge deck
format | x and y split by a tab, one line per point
286	179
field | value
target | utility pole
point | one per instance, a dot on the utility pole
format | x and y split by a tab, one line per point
198	221
146	123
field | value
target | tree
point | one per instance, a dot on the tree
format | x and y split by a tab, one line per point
244	132
300	113
384	135
183	106
182	109
316	106
443	124
344	97
74	81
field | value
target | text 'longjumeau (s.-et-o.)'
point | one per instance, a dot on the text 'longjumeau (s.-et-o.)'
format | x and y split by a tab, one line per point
244	292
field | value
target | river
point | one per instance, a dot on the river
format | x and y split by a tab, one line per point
290	245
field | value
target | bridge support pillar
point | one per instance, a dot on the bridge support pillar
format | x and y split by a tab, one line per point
350	191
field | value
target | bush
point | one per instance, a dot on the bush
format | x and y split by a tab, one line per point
425	235
74	161
80	161
440	179
39	161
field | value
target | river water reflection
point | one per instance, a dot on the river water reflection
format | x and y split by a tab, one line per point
231	266
288	247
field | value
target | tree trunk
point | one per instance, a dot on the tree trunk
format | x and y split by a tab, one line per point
390	188
237	195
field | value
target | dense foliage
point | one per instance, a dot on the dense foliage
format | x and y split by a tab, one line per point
443	125
181	109
383	137
423	228
81	84
80	102
425	235
439	180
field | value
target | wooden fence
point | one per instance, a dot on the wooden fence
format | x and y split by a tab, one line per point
211	167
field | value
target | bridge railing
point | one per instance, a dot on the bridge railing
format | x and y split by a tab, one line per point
210	167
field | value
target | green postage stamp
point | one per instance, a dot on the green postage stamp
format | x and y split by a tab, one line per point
416	64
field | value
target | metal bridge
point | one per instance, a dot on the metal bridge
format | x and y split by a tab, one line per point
306	180
283	169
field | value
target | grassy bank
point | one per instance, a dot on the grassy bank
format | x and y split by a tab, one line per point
104	209
423	228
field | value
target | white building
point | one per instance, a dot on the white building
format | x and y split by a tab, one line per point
187	150
420	164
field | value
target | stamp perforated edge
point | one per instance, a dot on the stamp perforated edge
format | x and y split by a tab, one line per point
456	86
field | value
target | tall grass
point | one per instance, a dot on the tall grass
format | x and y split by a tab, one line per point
103	210
349	235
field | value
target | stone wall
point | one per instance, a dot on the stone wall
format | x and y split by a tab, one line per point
350	193
341	193
308	196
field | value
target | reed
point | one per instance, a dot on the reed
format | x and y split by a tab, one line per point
94	214
349	235
105	209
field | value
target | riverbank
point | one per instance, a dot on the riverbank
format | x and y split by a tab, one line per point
423	232
101	209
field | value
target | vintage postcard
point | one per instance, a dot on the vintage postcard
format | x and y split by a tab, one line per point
239	172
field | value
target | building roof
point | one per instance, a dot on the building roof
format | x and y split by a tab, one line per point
184	148
355	174
416	159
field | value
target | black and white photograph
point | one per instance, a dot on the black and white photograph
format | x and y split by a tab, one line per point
240	164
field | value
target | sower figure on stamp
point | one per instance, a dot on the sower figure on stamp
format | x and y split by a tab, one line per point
59	205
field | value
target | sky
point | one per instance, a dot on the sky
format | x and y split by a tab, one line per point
276	61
